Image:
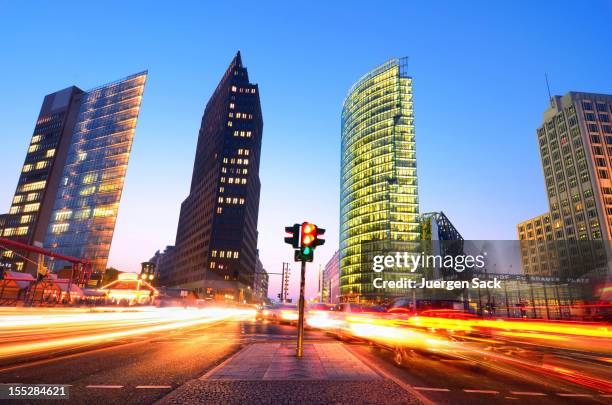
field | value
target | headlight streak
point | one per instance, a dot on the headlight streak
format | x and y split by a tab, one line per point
35	333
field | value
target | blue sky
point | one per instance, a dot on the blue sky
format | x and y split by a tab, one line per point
479	93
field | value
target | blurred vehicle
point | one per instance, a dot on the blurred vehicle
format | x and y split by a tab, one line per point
265	313
410	306
284	313
347	315
319	315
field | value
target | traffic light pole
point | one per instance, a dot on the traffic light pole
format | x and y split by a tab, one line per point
300	343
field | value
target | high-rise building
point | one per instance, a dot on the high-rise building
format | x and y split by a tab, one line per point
86	204
216	241
73	173
575	141
378	180
40	176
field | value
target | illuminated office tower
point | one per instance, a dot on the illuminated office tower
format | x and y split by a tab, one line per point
38	182
215	253
85	208
378	179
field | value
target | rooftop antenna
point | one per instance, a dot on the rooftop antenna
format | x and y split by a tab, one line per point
548	86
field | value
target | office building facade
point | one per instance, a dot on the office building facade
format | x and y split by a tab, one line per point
216	242
331	280
30	211
575	142
378	190
85	209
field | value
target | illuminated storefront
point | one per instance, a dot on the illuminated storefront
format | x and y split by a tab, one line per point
379	198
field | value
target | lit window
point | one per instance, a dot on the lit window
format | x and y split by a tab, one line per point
33	148
25	219
26	168
17	199
50	153
14	209
63	215
31	207
22	230
9	231
59	228
234	89
36	138
37	185
214	253
42	164
232	105
103	212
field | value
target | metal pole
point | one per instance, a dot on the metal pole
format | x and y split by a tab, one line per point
300	343
282	289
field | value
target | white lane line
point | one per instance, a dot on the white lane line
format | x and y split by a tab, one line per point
431	389
105	386
562	394
482	391
153	387
535	394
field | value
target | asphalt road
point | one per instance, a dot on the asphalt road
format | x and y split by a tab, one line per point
141	369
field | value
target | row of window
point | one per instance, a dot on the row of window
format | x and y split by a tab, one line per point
231	200
228	254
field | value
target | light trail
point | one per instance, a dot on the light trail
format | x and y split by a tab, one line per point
33	333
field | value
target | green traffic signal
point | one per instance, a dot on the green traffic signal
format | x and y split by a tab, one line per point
307	250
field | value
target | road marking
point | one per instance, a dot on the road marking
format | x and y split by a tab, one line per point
482	391
389	376
105	386
153	386
573	395
431	389
538	394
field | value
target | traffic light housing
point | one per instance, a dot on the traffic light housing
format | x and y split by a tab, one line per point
293	237
309	240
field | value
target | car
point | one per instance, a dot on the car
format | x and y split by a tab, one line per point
264	312
319	315
349	316
284	313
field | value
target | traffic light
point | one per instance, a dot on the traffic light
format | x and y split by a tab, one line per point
304	238
294	234
309	240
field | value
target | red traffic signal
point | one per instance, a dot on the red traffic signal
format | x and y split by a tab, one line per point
308	234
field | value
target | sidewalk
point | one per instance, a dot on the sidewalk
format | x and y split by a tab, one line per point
269	373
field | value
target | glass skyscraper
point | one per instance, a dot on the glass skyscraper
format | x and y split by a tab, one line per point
85	209
378	190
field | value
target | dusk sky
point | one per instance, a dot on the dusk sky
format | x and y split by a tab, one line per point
479	94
